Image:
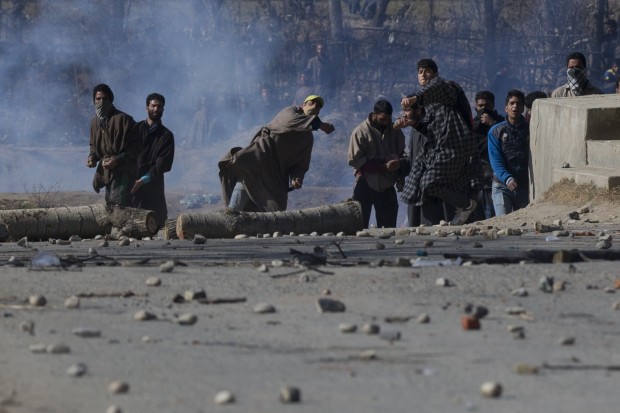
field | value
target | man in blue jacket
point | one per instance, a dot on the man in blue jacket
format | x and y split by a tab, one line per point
509	146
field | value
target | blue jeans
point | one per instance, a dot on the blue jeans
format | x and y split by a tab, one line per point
239	197
506	201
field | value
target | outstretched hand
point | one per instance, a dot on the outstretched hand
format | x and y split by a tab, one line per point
327	127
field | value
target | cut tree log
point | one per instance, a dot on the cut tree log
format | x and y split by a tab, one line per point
170	229
86	221
343	217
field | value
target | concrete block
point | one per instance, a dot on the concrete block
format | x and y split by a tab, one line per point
605	154
601	177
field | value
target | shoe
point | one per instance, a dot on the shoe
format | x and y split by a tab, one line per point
461	215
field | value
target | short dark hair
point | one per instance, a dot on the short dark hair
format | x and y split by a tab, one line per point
578	56
156	96
428	64
383	106
532	96
102	87
516	93
485	94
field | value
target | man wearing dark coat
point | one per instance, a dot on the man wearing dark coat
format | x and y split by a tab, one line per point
154	160
259	176
449	161
114	148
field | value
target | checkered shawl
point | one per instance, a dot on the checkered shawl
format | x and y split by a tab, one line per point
448	158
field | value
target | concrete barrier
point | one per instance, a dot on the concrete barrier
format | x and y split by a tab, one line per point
560	130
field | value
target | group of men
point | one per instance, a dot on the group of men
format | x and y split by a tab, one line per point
130	157
456	164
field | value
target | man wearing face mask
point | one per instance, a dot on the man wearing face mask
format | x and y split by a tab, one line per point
578	83
374	152
114	148
259	176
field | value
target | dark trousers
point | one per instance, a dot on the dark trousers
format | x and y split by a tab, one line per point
430	213
385	203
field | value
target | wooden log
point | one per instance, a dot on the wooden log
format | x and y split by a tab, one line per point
86	221
343	217
170	229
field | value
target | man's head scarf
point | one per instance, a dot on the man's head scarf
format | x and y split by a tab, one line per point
577	79
103	109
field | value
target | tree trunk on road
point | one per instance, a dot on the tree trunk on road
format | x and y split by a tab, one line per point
345	217
86	221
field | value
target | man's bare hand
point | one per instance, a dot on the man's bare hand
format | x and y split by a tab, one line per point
296	183
409	101
392	165
512	184
137	185
327	127
109	163
403	123
90	162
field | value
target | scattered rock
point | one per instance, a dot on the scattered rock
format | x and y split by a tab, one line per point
545	284
470	323
290	394
390	336
441	233
37	300
603	245
347	328
153	281
143	315
123	242
305	278
187	319
114	409
241	236
428	243
57	348
92	251
442	282
423	318
277	263
379	246
23	242
77	370
470	232
399	241
402	262
616	305
103	244
277	234
566	341
371	329
341	234
199	239
573	215
27	327
562	233
38	348
86	332
477	245
196	294
327	291
329	305
368	355
584	210
362	234
72	302
262	268
167	266
476	311
224	397
422	231
559	286
520	292
491	389
386	234
118	387
264	308
524	368
605	237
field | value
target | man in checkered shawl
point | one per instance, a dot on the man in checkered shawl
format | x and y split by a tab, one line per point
449	161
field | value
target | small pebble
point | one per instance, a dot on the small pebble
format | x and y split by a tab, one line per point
476	311
77	370
422	231
143	315
167	266
368	355
241	236
148	339
57	348
264	308
573	215
86	332
153	281
603	245
277	234
304	278
27	326
72	302
92	251
38	348
545	284
187	319
399	241
562	233
371	329
123	242
37	300
566	341
520	292
428	243
524	368
224	397
423	318
362	234
442	282
290	394
390	336
262	268
559	286
616	305
341	234
277	263
196	294
402	262
441	234
98	237
470	232
477	244
199	239
329	305
103	244
470	323
118	387
347	328
491	389
379	246
114	409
